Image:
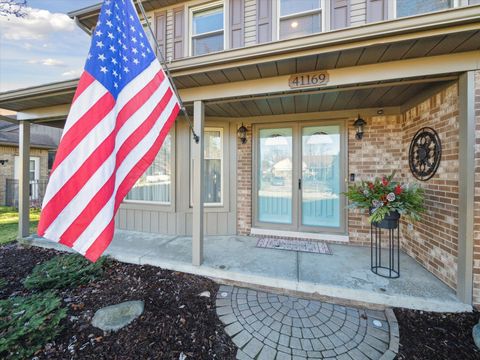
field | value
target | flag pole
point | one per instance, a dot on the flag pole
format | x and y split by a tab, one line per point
163	63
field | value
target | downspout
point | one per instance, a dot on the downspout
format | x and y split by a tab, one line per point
81	26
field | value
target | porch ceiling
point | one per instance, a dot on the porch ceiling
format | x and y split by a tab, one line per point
377	95
377	53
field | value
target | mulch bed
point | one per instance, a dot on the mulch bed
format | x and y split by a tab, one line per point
176	319
427	335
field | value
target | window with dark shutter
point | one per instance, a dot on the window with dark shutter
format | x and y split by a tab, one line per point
376	10
161	30
340	10
264	21
237	20
178	30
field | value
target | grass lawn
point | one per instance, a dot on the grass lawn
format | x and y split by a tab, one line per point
9	223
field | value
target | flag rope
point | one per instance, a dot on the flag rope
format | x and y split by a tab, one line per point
163	63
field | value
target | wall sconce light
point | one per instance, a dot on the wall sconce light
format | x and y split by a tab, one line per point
359	125
3	162
242	134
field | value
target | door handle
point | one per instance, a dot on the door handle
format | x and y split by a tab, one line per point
299	184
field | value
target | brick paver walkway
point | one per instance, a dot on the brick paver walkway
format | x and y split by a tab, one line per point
275	327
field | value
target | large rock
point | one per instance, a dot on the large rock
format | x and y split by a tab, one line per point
115	317
476	334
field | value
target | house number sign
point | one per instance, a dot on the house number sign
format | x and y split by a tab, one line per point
311	79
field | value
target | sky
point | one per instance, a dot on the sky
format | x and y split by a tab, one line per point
43	47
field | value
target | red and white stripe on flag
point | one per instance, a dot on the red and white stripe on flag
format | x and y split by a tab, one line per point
109	141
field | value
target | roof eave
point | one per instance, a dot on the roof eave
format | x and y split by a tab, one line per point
41	90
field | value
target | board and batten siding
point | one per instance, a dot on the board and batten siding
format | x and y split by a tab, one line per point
177	218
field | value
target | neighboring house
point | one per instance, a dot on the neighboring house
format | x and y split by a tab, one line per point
44	142
297	74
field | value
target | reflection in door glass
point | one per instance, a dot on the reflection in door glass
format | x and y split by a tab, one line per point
321	176
275	176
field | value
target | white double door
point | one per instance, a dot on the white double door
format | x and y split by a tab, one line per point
300	177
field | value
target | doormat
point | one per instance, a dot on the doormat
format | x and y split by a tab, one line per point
310	246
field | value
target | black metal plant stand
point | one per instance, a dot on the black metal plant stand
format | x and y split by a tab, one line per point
385	257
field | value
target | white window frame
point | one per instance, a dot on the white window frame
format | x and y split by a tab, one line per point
221	130
393	9
163	204
200	8
279	17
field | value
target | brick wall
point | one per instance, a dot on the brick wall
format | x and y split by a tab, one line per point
383	149
476	234
377	154
7	170
433	241
244	184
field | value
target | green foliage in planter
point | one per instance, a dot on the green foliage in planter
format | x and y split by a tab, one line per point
382	196
28	323
63	271
3	283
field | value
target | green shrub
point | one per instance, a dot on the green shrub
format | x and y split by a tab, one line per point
28	323
3	283
63	271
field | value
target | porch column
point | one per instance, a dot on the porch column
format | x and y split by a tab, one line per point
466	185
24	180
197	176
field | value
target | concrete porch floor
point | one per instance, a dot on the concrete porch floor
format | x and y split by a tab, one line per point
345	275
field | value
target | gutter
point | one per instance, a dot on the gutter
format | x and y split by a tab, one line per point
8	119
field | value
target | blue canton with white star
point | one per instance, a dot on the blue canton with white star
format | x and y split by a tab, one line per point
120	49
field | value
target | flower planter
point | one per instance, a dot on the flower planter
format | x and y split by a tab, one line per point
390	221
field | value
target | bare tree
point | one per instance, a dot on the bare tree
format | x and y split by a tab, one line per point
13	7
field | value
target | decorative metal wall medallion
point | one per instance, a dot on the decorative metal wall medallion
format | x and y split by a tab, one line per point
425	153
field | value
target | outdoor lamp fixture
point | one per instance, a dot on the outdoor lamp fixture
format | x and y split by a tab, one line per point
3	162
242	134
359	124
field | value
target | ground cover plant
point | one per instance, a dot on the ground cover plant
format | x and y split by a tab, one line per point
63	271
176	319
27	323
9	223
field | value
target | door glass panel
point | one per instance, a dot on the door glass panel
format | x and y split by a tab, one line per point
321	176
275	176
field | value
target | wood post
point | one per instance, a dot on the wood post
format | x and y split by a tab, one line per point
24	180
197	176
466	185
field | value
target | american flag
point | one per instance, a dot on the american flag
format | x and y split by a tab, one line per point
123	109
